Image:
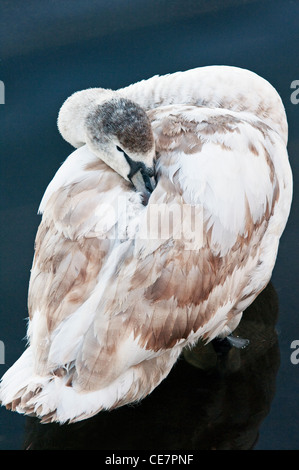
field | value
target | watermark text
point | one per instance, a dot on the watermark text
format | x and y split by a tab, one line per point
295	354
295	95
2	353
2	92
160	221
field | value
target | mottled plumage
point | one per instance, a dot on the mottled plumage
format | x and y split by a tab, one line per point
118	288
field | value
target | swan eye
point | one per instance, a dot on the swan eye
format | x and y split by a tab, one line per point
124	154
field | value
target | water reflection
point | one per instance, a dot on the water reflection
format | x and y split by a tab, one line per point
203	403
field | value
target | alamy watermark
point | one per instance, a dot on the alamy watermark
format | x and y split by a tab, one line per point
295	95
160	221
2	353
2	92
295	354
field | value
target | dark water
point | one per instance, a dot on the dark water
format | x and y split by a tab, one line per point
48	52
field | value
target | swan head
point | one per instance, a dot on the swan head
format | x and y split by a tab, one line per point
119	132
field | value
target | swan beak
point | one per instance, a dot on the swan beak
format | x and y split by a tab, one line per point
144	182
141	176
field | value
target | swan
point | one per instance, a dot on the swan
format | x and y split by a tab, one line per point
160	229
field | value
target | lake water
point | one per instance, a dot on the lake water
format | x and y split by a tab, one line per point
251	402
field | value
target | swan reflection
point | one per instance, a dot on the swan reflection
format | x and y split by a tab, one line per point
204	403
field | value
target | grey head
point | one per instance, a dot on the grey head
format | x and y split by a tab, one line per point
119	132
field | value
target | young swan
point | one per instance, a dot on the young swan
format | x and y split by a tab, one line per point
110	315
